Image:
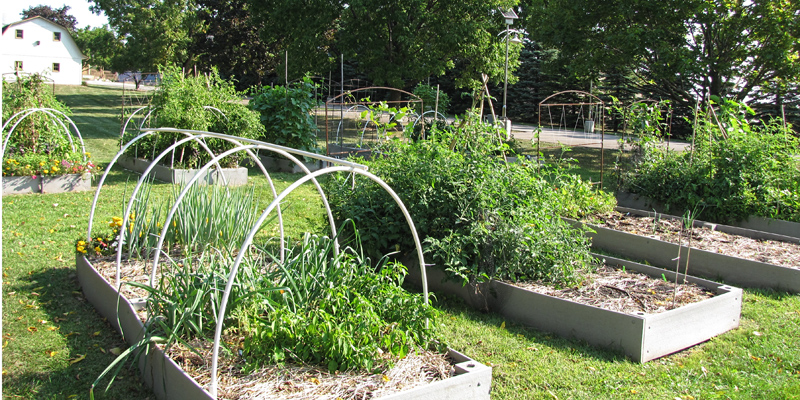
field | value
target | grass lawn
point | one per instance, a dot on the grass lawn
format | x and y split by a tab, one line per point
55	344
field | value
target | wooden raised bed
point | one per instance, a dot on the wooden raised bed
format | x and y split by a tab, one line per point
642	337
234	176
776	226
472	380
733	270
47	184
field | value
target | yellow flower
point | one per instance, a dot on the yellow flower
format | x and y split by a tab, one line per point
81	243
41	164
97	249
45	171
81	249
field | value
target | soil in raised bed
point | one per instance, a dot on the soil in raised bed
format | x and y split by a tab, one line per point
624	291
288	381
784	254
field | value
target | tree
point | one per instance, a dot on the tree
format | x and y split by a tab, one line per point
679	49
231	43
58	15
397	43
154	32
100	45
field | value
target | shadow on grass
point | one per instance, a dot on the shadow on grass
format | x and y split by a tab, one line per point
87	337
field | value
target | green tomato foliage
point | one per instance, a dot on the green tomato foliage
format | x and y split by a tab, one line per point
286	113
481	217
737	168
205	103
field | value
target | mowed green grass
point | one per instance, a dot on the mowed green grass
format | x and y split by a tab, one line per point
55	344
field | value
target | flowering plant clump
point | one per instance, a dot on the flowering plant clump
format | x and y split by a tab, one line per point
37	164
102	245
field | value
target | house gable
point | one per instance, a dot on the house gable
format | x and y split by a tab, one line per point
38	45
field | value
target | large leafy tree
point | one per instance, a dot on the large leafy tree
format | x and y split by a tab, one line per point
101	46
154	32
396	43
231	42
678	49
60	16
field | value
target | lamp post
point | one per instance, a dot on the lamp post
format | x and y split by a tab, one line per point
509	16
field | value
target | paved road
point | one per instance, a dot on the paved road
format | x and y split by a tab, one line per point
578	138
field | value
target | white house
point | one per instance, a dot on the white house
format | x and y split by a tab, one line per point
37	45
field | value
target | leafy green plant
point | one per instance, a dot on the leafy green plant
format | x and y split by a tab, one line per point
427	94
735	170
285	113
339	311
205	103
476	211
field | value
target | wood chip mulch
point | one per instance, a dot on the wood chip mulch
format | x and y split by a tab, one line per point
783	254
627	292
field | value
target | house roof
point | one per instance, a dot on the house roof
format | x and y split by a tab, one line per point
31	19
49	22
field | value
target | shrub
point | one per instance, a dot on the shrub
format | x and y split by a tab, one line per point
184	102
735	170
482	218
286	115
428	95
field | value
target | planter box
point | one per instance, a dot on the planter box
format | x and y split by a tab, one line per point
234	176
733	270
275	164
642	337
46	184
777	226
472	380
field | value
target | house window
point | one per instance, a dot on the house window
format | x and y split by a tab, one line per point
56	67
56	36
19	34
17	65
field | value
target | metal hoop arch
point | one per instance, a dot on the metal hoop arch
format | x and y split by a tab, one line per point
265	214
48	111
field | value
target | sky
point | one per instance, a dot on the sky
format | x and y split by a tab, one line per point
11	10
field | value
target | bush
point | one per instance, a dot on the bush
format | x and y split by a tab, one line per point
428	95
732	174
482	218
286	115
183	102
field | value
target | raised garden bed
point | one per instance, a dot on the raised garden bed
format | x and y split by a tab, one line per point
470	380
275	164
234	176
733	270
46	184
769	225
640	336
